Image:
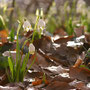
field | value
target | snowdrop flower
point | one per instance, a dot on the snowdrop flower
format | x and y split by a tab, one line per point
31	48
26	26
41	25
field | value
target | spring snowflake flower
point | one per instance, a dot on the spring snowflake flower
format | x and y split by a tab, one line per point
41	25
26	26
31	48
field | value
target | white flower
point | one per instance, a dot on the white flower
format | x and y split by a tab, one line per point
41	23
31	48
26	25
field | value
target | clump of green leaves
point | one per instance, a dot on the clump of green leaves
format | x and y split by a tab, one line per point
69	27
85	22
17	68
69	17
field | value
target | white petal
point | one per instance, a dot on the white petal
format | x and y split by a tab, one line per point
26	25
41	23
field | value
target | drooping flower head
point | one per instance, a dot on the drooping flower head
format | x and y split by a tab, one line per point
41	25
26	25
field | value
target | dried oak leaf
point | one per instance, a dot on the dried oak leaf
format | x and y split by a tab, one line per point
37	82
34	74
78	63
3	36
87	35
58	85
79	85
3	77
64	39
56	61
45	44
62	79
39	62
65	54
40	81
79	31
28	34
60	32
82	74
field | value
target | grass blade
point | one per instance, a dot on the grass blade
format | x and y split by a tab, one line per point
10	66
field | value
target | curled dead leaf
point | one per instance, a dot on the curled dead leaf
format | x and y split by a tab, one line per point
78	63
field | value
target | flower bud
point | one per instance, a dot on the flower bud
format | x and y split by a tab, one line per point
37	12
41	13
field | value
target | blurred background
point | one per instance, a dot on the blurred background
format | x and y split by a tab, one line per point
58	14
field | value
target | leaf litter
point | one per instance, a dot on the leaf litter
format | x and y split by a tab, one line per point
57	65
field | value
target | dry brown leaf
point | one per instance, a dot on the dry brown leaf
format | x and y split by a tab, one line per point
57	85
3	36
79	31
37	82
63	39
60	32
87	37
62	79
3	77
40	81
82	74
78	63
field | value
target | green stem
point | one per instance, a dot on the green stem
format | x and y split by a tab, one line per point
44	77
31	65
35	29
24	43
